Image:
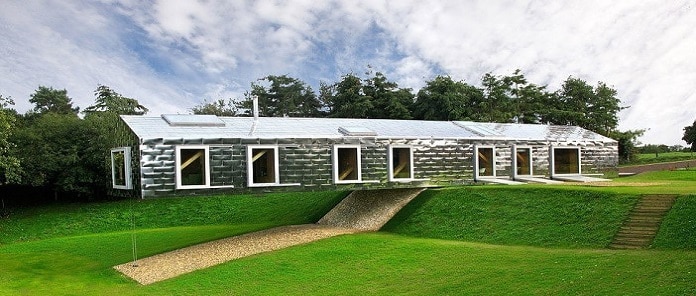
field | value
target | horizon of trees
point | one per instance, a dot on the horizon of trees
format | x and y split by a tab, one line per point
64	150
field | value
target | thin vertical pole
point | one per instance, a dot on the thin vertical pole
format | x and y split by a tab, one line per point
134	242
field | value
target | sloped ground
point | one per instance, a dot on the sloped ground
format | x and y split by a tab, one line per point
639	230
359	211
635	169
369	210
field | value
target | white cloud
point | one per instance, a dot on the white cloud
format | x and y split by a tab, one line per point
172	55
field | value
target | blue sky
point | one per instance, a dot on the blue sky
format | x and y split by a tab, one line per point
172	55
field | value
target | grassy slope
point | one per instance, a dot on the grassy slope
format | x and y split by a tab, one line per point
376	264
74	219
518	216
678	229
647	158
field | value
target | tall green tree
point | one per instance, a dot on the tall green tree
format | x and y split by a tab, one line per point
49	100
109	101
282	96
690	136
628	142
220	107
349	100
445	99
496	104
388	100
9	163
51	149
101	124
593	108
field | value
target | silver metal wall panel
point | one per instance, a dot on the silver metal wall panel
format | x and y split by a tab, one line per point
308	162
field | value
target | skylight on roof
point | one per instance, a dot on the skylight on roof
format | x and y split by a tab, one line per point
479	129
192	120
356	131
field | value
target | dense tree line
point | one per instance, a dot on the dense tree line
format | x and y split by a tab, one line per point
63	150
53	149
504	99
499	99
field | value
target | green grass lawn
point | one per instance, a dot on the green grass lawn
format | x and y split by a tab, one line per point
569	218
647	158
534	240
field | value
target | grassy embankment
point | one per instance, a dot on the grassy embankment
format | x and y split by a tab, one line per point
469	240
647	158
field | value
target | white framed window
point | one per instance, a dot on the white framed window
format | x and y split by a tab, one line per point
347	164
565	161
400	160
484	161
192	167
522	161
262	165
121	168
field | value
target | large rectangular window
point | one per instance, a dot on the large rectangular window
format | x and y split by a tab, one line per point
121	168
192	167
347	164
523	161
401	163
485	162
566	160
262	163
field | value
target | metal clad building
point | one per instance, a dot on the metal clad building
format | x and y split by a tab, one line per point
200	154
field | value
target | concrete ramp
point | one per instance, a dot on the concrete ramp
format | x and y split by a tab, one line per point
580	178
533	179
369	210
499	181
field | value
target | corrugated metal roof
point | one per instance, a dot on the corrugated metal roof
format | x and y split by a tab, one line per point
150	127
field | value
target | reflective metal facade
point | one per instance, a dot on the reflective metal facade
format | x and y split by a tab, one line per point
442	151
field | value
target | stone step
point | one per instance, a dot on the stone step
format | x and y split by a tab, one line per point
626	226
649	212
634	241
643	222
635	236
636	232
624	246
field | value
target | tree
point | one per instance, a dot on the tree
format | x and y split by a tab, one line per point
690	135
107	100
49	100
282	96
219	108
445	99
595	109
348	99
9	163
51	151
388	100
496	103
101	123
627	144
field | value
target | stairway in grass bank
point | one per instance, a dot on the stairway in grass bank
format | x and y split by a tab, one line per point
643	222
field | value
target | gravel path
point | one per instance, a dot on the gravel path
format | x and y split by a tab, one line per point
360	211
168	265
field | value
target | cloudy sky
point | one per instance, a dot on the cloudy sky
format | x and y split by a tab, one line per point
172	55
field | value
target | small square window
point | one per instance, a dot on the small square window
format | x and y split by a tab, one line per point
566	161
347	164
262	162
192	167
400	163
